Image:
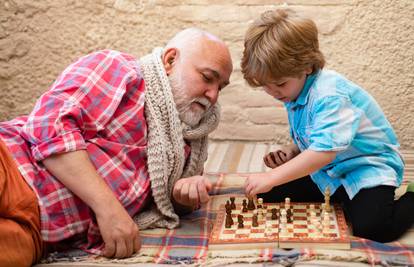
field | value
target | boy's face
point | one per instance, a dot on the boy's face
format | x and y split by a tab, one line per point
286	89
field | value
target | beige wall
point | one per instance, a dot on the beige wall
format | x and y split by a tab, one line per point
370	41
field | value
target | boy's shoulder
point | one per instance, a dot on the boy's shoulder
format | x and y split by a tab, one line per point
330	83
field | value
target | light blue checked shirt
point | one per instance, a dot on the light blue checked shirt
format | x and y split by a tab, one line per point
334	114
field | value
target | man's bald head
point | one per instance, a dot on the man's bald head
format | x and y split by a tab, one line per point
199	65
189	38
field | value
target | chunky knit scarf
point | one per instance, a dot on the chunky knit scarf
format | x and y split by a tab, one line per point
165	146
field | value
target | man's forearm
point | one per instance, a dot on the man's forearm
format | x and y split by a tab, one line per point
77	173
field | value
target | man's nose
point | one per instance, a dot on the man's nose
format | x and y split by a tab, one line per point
212	94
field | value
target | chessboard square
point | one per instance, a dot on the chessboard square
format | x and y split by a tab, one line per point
257	230
242	231
300	230
229	231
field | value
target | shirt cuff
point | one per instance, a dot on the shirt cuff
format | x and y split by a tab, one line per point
70	141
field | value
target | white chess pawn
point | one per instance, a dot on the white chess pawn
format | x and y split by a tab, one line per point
283	216
325	222
287	203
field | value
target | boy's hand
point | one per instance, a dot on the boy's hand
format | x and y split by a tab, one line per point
258	183
280	156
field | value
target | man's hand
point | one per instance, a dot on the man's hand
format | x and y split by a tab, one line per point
258	183
280	156
119	232
192	191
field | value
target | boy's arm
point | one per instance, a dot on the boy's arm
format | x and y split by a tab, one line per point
303	164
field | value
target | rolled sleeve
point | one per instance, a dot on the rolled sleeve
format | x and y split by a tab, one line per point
66	142
335	124
80	104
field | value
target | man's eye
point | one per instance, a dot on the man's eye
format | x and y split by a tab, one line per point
206	78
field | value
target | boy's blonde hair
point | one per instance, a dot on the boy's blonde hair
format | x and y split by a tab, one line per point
280	44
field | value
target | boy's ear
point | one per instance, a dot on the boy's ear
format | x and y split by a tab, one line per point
169	58
308	70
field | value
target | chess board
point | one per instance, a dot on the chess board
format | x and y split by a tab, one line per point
298	233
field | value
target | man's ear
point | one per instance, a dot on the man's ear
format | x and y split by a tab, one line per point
169	58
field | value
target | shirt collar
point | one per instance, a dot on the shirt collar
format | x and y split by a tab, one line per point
302	99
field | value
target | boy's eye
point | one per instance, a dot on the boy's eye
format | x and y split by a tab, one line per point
281	84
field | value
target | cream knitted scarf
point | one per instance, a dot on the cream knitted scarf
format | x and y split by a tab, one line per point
165	146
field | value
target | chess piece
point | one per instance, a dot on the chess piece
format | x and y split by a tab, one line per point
255	222
227	205
326	223
232	204
244	205
250	204
327	206
283	215
240	221
289	215
229	221
260	213
229	217
274	214
287	203
259	203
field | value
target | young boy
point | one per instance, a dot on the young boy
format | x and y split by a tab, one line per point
342	140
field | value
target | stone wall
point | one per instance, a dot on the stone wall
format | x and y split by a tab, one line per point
369	41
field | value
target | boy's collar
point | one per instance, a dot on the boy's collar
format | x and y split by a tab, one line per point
304	94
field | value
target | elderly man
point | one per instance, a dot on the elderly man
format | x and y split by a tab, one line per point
115	145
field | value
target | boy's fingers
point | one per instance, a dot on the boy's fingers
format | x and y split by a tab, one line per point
282	155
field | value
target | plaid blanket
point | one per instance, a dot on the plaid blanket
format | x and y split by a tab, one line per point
189	243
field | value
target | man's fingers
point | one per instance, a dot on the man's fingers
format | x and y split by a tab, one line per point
137	244
129	246
202	192
109	250
121	249
177	191
193	194
208	184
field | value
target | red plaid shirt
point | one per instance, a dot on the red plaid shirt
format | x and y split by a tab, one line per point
97	104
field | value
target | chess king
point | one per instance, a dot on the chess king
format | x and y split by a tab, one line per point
342	140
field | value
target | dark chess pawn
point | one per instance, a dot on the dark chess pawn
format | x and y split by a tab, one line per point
244	206
240	221
255	221
250	204
229	217
227	206
274	214
229	220
289	215
232	204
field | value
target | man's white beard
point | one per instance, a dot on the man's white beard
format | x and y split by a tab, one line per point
183	101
